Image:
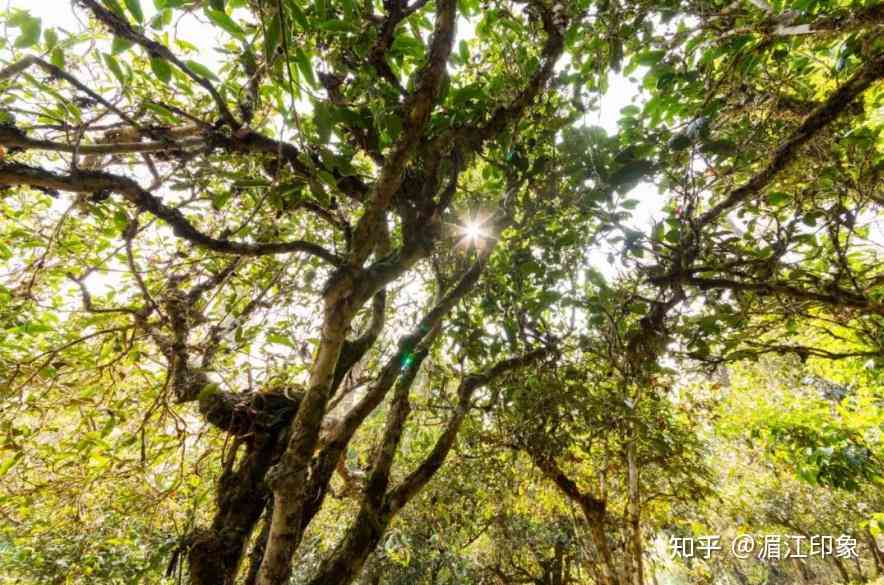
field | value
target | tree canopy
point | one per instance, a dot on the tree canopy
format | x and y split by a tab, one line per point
344	292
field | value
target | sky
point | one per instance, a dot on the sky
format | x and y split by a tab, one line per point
622	91
58	13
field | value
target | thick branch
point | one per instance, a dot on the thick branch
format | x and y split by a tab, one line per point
98	182
13	138
418	478
243	413
354	350
591	505
417	108
408	343
836	298
378	508
836	103
339	438
400	408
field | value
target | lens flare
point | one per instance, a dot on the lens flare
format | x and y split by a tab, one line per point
473	231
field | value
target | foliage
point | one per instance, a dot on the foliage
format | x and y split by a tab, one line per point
329	291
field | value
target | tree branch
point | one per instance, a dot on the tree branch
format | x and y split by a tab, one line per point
821	117
409	345
836	298
31	60
417	109
418	478
97	182
122	29
554	24
11	137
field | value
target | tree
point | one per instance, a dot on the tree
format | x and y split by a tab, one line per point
359	212
236	280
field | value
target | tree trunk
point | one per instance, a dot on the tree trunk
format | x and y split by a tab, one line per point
607	568
288	478
258	548
842	569
877	555
379	506
215	553
593	509
374	515
635	531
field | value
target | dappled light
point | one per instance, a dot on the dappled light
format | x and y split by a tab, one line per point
442	292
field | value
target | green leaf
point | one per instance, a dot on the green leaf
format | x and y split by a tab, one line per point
349	9
280	339
222	20
777	198
57	57
218	5
30	33
134	7
298	14
35	328
336	26
115	68
200	69
648	58
120	45
161	19
161	69
162	113
115	7
303	61
272	37
463	52
51	37
323	124
10	463
220	198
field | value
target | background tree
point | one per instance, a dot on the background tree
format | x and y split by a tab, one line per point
235	286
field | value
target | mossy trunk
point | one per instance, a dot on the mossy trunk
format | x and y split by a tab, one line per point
345	564
215	553
257	422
